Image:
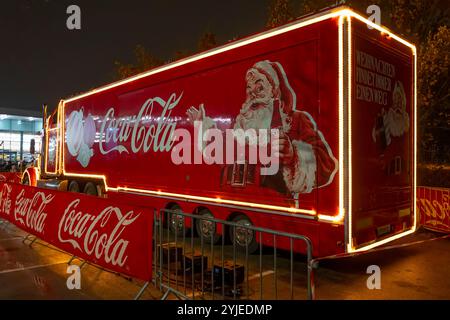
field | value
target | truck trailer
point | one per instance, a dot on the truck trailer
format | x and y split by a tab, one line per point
337	91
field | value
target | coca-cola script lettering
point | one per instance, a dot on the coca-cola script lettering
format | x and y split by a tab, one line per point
30	211
149	130
87	232
433	205
5	199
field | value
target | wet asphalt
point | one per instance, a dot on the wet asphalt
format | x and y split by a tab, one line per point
419	271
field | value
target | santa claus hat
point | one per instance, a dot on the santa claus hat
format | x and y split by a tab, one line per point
274	72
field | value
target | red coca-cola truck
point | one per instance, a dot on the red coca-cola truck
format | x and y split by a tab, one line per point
336	91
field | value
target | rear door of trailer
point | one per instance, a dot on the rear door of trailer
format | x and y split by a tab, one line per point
382	130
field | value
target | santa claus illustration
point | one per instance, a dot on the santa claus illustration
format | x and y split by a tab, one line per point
306	159
394	122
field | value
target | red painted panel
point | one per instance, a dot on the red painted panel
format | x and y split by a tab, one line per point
114	236
433	205
382	135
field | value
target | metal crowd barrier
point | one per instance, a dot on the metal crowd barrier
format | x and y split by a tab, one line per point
192	266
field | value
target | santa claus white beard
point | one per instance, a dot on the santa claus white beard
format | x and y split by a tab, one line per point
396	123
260	118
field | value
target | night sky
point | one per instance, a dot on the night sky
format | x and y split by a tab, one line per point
42	61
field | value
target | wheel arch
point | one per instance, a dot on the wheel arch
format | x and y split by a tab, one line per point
234	214
32	174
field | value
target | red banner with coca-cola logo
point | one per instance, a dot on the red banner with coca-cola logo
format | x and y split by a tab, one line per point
434	208
115	236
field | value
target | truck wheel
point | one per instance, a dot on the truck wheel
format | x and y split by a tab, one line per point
176	221
206	228
73	186
90	189
243	238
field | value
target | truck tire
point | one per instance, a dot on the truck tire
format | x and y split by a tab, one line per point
206	228
175	221
244	239
73	186
90	189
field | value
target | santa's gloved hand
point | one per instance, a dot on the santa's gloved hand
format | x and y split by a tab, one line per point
283	149
195	114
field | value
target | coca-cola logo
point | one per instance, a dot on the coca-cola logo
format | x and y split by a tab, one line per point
5	199
150	129
116	133
434	212
30	211
99	235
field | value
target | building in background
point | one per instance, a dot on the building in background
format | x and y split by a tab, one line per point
17	129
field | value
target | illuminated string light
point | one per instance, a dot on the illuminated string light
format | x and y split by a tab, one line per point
351	245
218	200
225	48
349	130
341	213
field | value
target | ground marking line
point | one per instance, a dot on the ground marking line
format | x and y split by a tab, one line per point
265	273
32	267
9	239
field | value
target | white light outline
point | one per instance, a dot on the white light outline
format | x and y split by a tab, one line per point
349	130
225	48
340	217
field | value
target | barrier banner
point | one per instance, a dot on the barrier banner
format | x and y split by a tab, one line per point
433	205
10	177
115	236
